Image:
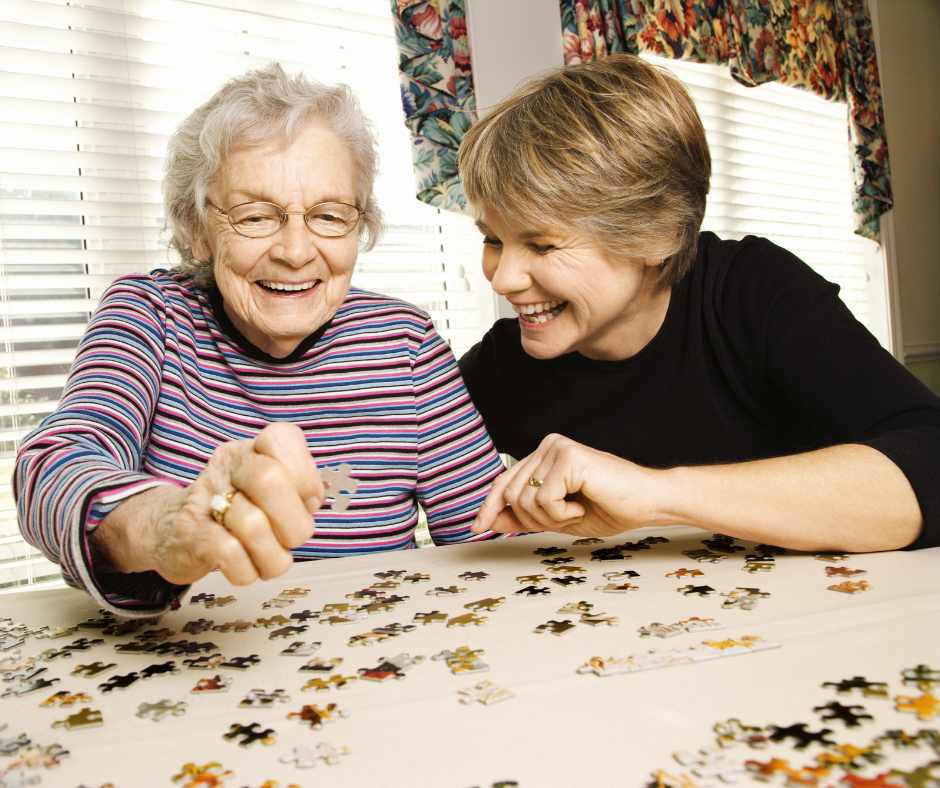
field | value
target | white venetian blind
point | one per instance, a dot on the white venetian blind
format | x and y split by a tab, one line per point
781	169
89	93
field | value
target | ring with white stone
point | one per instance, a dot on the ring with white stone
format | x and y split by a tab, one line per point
219	506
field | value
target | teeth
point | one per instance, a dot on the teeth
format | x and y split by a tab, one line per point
531	309
539	313
286	287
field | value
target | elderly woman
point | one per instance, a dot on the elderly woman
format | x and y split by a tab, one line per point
202	398
659	375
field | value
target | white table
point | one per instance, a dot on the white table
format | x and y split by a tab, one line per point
562	728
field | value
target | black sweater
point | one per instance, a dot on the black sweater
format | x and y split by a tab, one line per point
757	357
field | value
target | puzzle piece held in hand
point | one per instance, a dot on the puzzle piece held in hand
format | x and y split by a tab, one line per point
340	485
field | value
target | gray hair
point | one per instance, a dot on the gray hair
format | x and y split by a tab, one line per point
252	110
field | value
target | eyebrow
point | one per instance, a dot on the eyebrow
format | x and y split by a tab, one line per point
526	236
257	197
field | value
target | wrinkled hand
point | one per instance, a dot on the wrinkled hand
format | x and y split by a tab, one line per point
277	488
584	492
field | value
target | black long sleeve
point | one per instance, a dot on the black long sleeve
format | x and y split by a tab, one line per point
757	357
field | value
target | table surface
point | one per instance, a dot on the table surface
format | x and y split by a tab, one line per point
561	728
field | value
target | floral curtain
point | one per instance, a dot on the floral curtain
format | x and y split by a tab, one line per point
436	93
824	46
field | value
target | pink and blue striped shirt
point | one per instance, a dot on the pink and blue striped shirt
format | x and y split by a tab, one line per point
162	377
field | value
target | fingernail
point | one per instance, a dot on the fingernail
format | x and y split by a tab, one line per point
475	524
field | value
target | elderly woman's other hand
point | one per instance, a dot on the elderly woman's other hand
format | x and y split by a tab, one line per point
567	487
273	486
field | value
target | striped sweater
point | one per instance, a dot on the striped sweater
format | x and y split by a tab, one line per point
162	377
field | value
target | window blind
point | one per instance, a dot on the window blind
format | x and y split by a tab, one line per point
781	168
89	93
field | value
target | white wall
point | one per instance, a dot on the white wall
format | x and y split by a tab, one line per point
909	63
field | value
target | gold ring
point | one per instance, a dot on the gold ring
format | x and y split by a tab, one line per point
534	482
219	506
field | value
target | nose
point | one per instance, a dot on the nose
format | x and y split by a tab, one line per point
507	270
294	243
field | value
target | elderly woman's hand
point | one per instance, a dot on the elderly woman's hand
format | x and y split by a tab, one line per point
582	492
172	531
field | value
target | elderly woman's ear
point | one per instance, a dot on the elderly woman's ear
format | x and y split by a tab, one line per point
201	251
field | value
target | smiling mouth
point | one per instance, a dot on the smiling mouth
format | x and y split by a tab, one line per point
283	287
539	312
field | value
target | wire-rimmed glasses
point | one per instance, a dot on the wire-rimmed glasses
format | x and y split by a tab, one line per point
262	219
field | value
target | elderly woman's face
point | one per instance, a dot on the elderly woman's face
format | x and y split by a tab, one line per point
569	294
280	289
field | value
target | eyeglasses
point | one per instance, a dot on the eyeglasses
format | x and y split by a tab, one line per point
261	219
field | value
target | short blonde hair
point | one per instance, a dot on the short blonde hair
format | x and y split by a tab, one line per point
262	106
613	149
